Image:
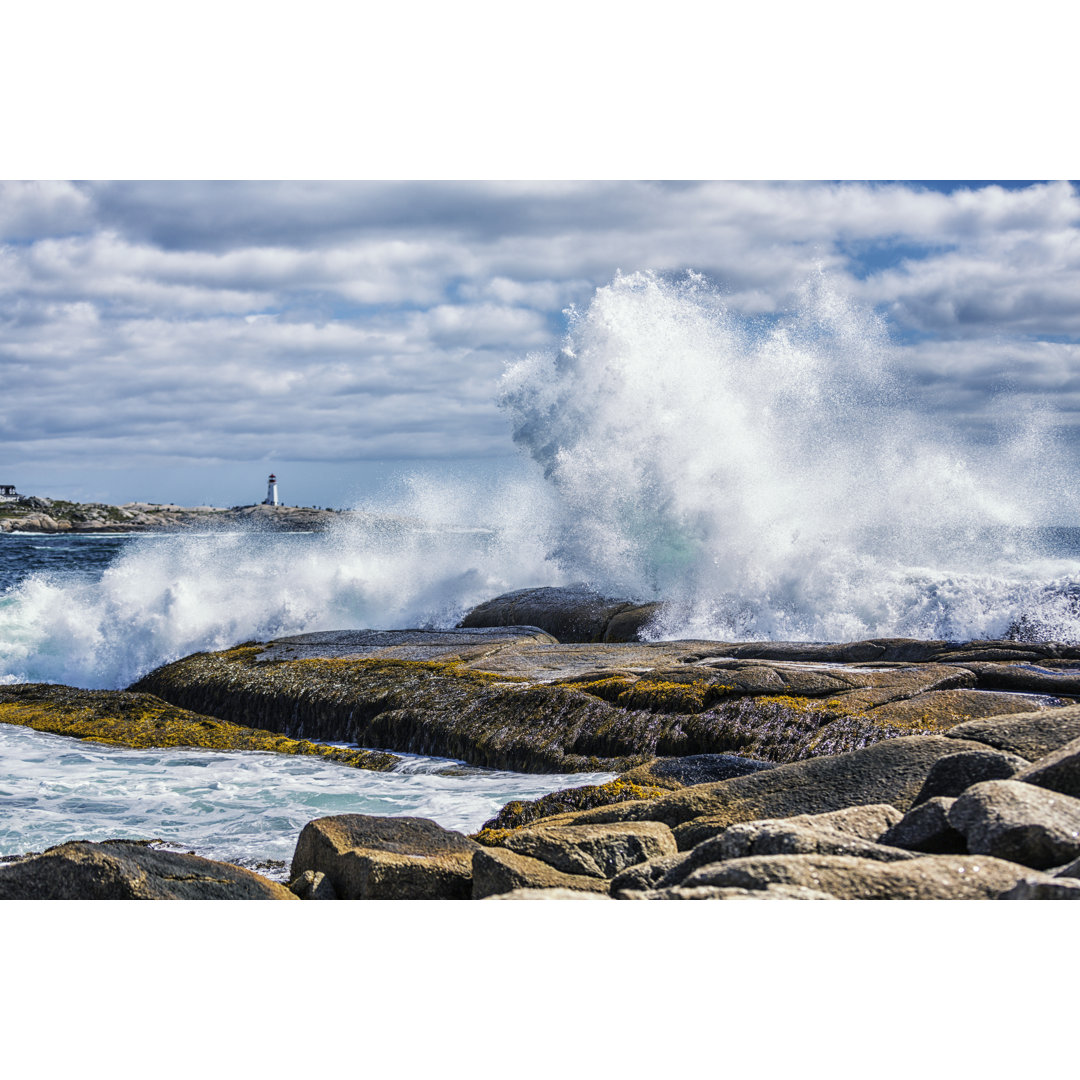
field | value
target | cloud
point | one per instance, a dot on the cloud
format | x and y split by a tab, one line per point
184	321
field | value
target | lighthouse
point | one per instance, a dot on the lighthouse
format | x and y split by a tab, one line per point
271	491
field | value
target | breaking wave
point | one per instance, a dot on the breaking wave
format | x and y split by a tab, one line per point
771	478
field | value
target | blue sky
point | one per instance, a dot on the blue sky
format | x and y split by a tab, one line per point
178	341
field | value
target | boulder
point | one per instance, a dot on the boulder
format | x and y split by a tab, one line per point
1013	820
387	858
129	870
712	892
954	774
571	613
548	894
312	885
1058	771
1030	735
926	828
496	871
785	838
678	772
600	851
867	822
892	771
647	875
930	877
1037	889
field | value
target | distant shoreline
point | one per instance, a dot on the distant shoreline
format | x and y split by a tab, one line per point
33	514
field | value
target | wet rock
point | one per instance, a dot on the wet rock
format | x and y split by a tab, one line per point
496	871
1057	771
600	851
888	772
628	624
1030	735
120	870
386	858
522	812
926	828
313	885
572	613
1032	889
954	774
677	772
548	894
930	877
1013	820
123	718
1028	678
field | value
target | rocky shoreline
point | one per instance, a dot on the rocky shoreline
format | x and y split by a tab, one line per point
886	769
33	514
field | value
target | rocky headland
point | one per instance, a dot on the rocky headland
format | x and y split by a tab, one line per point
884	769
34	514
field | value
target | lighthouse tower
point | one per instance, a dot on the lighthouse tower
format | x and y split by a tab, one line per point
271	492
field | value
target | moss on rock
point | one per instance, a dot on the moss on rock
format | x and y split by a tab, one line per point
142	721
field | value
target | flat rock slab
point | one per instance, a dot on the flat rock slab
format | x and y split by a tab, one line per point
1030	735
365	857
122	870
401	644
931	877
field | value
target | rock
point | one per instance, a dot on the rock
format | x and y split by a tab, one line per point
1032	889
600	851
867	822
888	772
123	718
1068	870
1030	735
926	828
627	625
954	774
572	613
784	838
646	875
1013	820
548	894
677	772
387	858
522	812
1057	771
313	885
128	870
930	877
712	892
496	871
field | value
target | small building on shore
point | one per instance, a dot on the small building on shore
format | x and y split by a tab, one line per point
8	493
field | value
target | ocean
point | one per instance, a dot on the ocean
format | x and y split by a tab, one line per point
769	479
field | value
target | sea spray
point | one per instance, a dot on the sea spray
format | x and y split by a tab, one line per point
769	478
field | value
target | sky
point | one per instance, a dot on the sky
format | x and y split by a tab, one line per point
177	341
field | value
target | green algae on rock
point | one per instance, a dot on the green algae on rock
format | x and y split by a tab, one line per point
514	699
141	721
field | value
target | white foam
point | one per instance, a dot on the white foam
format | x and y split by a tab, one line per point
241	807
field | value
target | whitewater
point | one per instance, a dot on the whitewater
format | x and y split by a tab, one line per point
769	478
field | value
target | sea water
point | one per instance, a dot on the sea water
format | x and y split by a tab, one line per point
776	478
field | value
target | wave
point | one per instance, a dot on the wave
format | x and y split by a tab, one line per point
770	478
